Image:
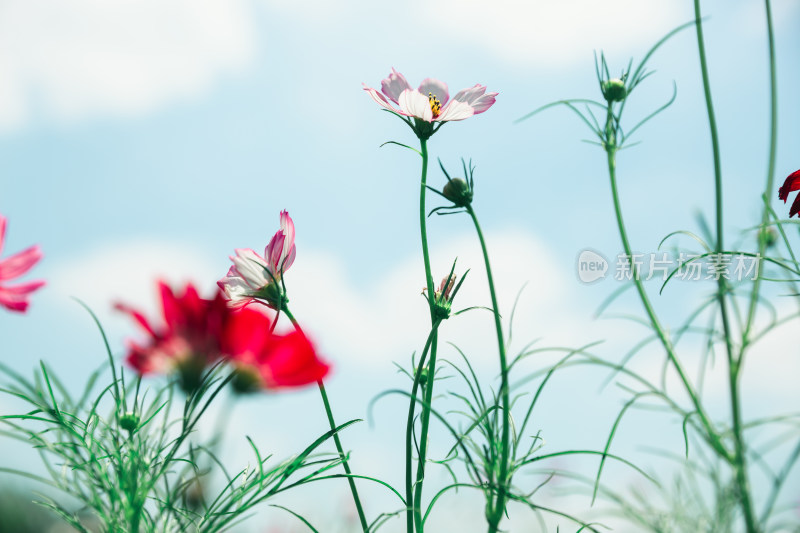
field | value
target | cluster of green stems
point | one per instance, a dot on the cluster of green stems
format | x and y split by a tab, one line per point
427	367
735	453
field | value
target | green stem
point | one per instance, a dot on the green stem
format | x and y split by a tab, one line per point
361	517
734	363
711	435
496	513
423	225
762	243
414	514
768	191
426	409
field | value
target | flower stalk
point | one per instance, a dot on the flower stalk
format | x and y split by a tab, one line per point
734	362
425	416
414	512
497	510
337	441
711	435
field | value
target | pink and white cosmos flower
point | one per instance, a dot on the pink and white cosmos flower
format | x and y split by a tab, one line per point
15	297
430	102
252	276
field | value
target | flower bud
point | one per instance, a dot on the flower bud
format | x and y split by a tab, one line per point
129	422
768	236
614	90
457	191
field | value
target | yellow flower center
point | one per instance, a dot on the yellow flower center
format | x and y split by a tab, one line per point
436	105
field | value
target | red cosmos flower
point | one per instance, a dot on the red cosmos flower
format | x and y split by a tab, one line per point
189	340
264	359
197	333
792	183
15	297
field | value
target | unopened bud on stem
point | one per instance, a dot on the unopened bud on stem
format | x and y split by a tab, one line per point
614	90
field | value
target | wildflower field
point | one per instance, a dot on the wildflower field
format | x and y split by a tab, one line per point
446	267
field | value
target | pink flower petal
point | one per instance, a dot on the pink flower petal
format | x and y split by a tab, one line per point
23	289
471	94
436	88
13	302
380	99
476	98
19	263
274	251
415	104
2	231
455	110
288	252
484	102
394	85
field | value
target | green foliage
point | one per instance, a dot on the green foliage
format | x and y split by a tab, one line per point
129	458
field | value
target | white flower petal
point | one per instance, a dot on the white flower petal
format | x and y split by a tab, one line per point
455	110
251	267
234	288
415	104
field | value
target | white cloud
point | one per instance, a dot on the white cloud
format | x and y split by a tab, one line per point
372	324
388	320
89	57
127	272
551	32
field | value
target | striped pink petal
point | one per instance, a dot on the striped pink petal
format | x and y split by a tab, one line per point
394	85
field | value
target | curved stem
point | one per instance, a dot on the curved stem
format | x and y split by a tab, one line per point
496	513
426	409
734	362
762	244
711	435
361	517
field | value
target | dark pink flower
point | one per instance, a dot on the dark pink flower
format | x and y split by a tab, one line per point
15	297
791	184
253	276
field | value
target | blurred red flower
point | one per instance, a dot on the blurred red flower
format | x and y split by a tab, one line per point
189	340
198	333
266	360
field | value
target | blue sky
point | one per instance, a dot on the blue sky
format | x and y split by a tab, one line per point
153	138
